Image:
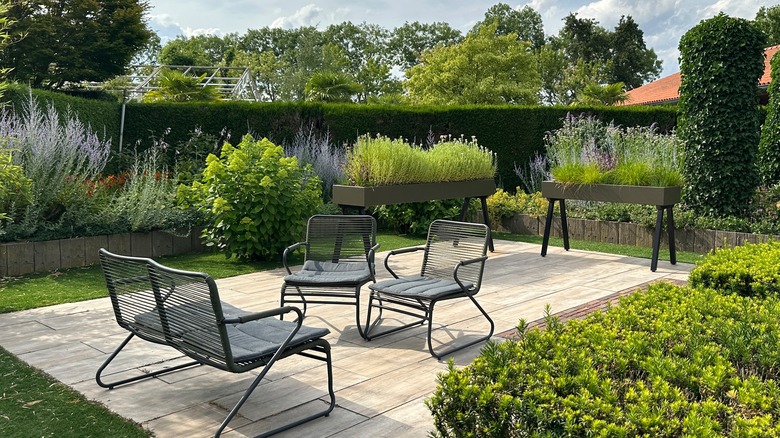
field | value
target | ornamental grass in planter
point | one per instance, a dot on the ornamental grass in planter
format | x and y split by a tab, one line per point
585	150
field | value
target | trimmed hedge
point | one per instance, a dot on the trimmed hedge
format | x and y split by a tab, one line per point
747	270
514	133
674	361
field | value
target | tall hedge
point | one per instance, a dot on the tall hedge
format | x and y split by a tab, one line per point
721	61
515	133
769	146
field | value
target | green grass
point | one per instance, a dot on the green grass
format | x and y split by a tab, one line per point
610	248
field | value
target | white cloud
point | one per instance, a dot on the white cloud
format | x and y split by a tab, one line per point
305	16
190	32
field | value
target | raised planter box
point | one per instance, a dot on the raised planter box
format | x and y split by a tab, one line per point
663	198
359	196
21	258
612	193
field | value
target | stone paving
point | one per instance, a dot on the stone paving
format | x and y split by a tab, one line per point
380	385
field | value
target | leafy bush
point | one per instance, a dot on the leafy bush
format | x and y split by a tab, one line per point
748	270
258	200
587	151
382	161
14	186
769	145
721	60
502	204
674	361
416	217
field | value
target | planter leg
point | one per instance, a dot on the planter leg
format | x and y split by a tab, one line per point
487	221
564	225
670	226
657	237
464	209
548	225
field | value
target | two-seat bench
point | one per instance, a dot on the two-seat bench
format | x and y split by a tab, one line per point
183	310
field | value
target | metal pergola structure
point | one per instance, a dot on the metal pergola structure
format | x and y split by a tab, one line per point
232	83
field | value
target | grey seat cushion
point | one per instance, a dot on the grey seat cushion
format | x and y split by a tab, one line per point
260	338
334	274
419	287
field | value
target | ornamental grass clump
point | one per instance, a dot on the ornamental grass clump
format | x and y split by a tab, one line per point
375	161
587	151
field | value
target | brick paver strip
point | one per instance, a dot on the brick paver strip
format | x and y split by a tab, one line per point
583	310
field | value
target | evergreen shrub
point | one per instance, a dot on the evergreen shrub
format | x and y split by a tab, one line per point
673	361
257	199
769	145
748	270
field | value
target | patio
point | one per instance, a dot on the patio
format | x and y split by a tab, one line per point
380	385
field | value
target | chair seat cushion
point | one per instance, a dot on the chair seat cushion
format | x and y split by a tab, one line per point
334	274
419	287
255	339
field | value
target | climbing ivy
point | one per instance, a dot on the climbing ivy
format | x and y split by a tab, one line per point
721	61
769	147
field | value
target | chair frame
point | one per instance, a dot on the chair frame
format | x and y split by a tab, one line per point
422	308
330	292
318	348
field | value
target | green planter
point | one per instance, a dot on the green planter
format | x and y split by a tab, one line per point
358	196
612	193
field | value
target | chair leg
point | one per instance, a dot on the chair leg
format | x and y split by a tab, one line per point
303	299
111	385
439	356
321	346
371	326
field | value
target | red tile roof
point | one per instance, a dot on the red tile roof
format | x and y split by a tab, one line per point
667	88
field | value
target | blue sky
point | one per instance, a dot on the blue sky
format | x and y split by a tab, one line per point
663	21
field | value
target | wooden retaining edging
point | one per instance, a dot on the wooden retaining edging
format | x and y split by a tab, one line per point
21	258
625	233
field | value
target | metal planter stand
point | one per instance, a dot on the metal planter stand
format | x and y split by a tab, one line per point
663	198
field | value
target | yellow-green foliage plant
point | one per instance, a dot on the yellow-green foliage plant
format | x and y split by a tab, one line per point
258	199
749	270
378	161
502	204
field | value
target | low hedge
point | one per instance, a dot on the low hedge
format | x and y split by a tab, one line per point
674	361
747	270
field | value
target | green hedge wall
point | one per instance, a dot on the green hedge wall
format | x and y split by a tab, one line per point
514	133
102	115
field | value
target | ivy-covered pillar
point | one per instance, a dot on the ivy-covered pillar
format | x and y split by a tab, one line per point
721	60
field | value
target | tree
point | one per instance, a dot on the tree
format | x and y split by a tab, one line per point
69	41
201	50
721	60
410	40
768	21
526	23
331	87
484	69
595	94
632	62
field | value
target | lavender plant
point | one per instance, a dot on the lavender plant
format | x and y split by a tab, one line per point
587	151
311	147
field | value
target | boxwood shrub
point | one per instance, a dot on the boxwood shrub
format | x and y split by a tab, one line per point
673	361
748	270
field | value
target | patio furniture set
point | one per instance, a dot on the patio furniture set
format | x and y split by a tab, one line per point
183	309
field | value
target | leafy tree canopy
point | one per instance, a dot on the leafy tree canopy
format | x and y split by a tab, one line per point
768	21
526	23
485	68
74	40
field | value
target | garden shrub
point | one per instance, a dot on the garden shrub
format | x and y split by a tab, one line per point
769	146
326	159
748	270
673	361
721	60
415	217
14	186
502	204
258	199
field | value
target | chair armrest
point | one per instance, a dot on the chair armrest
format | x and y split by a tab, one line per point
289	249
400	251
371	257
464	263
265	314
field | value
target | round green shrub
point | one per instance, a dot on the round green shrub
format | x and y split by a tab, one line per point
258	199
748	270
670	362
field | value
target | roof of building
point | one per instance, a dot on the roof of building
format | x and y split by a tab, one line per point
666	89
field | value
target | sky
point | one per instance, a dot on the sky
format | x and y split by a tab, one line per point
663	21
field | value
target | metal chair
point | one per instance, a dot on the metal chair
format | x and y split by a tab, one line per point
339	261
452	266
183	310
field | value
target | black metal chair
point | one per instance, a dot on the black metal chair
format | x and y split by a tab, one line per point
452	266
339	261
183	310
